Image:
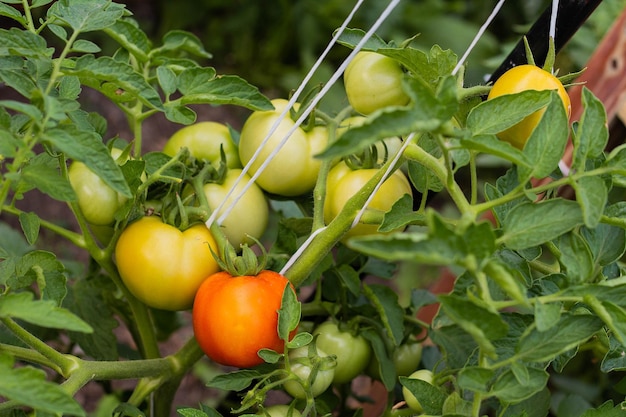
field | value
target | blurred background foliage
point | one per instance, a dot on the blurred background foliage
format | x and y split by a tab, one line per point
273	44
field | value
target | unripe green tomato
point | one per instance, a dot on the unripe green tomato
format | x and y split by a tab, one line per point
204	140
294	169
323	378
97	201
249	217
353	352
374	81
280	410
523	78
406	358
423	374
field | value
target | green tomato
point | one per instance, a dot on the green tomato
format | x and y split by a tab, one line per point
411	401
406	358
204	140
249	217
294	169
353	352
97	201
523	78
343	183
374	81
280	410
301	366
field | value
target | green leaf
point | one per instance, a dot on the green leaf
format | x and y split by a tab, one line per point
569	332
179	40
456	344
385	301
167	80
120	75
592	134
531	224
299	340
490	144
475	378
288	314
546	144
351	37
131	38
19	81
615	357
508	389
592	195
504	277
547	315
386	367
85	46
234	381
225	89
86	15
576	258
12	13
28	386
88	299
430	397
41	312
401	215
44	269
69	87
606	410
422	177
607	243
87	147
31	224
484	325
500	113
23	43
48	180
612	314
179	114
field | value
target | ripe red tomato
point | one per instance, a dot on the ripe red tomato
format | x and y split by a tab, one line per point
236	316
523	78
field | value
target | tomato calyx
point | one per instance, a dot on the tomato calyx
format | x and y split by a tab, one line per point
368	159
245	264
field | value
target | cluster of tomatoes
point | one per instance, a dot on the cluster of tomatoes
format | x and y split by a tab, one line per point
172	269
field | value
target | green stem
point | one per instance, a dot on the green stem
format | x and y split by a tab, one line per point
30	24
416	153
29	355
64	364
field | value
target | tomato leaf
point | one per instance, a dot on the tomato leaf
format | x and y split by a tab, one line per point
430	397
576	258
180	40
401	215
31	224
509	389
386	367
492	145
546	144
569	332
351	37
547	315
87	15
606	410
28	386
288	314
592	195
531	224
131	37
40	267
47	180
607	243
234	381
475	378
385	301
592	134
511	109
41	312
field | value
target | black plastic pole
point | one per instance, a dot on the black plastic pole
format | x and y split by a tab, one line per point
571	15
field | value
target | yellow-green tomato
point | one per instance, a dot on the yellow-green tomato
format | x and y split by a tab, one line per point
344	182
294	169
280	410
302	367
249	217
523	78
162	266
353	352
423	374
406	358
374	81
97	201
204	140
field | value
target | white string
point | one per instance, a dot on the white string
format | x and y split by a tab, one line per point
290	104
312	104
480	33
553	15
301	249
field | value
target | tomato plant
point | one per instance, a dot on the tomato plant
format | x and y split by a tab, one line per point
374	81
163	266
205	140
250	215
297	157
352	352
533	254
523	78
236	316
344	182
280	410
